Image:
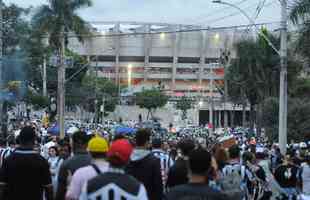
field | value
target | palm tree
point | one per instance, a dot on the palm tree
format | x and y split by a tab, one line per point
57	19
299	15
60	17
300	10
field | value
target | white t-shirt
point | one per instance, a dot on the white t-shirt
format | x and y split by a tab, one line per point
82	175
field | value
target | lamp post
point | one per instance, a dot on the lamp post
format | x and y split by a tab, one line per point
129	76
283	72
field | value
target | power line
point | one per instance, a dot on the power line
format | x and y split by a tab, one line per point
213	13
212	21
259	8
212	29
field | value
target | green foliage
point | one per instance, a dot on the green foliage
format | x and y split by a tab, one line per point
36	100
254	75
300	88
298	118
15	28
59	16
103	85
93	88
151	99
184	104
270	117
299	15
300	10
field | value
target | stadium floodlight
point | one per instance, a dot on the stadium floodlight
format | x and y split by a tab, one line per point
217	37
162	36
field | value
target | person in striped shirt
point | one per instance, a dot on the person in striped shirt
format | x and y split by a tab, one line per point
165	160
5	152
115	184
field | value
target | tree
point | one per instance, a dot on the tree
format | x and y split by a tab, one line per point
249	76
298	118
36	100
15	28
92	89
60	17
254	75
184	104
299	15
151	100
300	89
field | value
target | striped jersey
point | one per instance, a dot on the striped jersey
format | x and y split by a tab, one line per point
165	163
4	153
113	186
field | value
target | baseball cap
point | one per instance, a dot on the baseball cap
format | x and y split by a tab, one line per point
98	145
120	150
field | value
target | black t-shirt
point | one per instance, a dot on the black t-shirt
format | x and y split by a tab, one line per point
25	173
194	191
178	173
287	175
147	171
67	169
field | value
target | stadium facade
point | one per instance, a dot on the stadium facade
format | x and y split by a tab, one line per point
182	59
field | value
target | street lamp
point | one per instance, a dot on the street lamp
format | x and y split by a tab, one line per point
129	75
162	36
217	37
200	103
283	72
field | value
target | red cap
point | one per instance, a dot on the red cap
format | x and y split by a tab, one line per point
122	149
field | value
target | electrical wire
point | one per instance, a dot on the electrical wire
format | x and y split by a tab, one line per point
212	21
211	29
212	13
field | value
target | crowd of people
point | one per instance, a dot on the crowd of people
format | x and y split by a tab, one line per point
149	166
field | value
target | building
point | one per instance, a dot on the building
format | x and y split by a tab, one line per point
183	59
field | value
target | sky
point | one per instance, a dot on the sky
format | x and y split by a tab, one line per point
202	12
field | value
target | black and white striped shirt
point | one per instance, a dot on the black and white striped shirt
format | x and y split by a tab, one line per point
113	186
165	163
4	153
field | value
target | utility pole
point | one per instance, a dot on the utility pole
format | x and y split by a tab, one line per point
283	72
96	85
44	77
225	60
61	87
211	103
102	108
1	70
283	80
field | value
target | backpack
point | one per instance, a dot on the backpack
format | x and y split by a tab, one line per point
232	181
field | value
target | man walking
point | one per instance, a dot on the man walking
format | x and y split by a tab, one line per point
81	158
165	160
145	167
197	188
115	184
98	148
25	174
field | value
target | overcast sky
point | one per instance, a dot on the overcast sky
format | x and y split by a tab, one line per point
173	11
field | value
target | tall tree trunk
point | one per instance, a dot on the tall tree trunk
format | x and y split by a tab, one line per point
244	114
232	119
259	110
252	116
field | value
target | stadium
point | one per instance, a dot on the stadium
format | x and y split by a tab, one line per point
184	60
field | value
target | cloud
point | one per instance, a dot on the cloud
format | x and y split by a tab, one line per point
170	11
